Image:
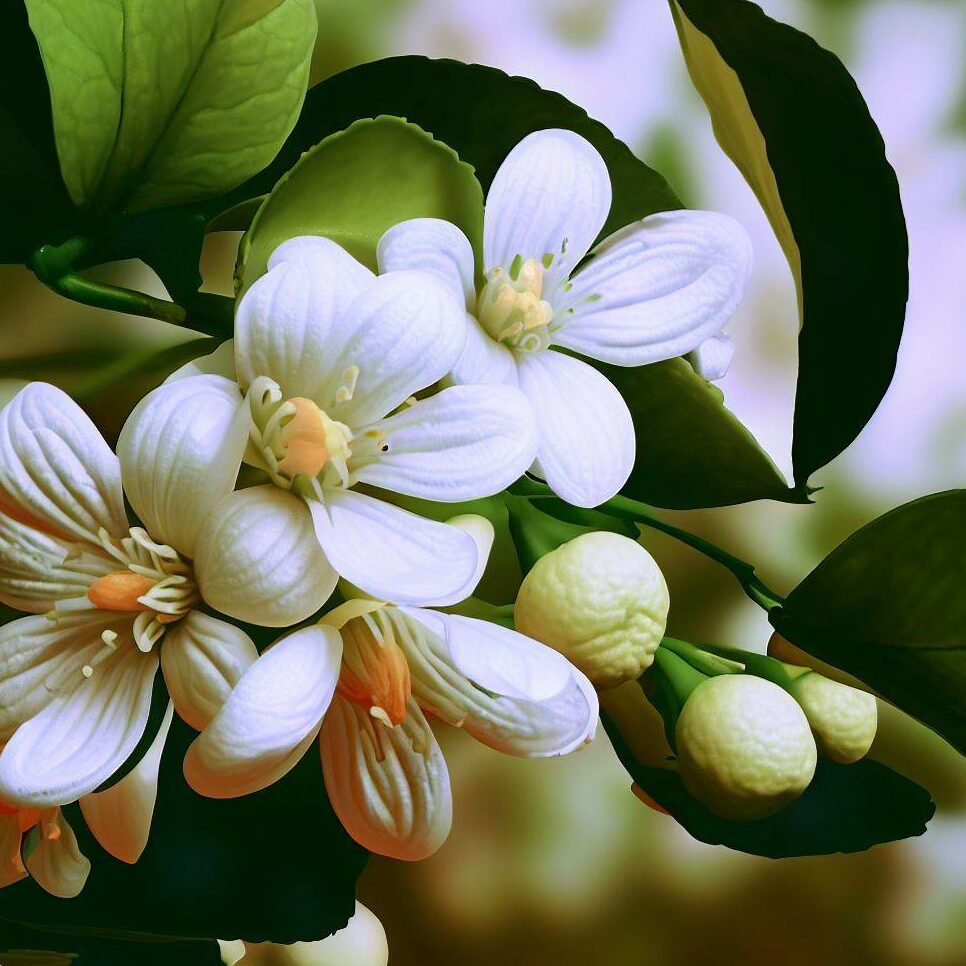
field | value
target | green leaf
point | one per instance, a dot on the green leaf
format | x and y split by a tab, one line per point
276	865
846	808
692	451
888	605
156	104
791	118
356	184
34	204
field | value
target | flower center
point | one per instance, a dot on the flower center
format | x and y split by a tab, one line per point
295	438
375	673
152	582
511	307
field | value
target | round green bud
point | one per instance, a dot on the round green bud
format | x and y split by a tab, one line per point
601	600
744	747
843	719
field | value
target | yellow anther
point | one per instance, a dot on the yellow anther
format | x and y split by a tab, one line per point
120	591
310	440
512	310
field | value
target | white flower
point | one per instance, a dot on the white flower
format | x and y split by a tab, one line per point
53	858
330	356
365	676
659	288
109	602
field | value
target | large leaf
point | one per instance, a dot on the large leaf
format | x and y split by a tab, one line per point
791	118
276	865
692	451
846	808
888	605
160	103
34	204
357	183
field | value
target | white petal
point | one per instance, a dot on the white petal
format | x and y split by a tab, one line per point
506	690
202	659
180	451
393	554
55	465
431	245
712	359
656	289
463	443
11	863
389	786
270	718
404	332
57	862
550	197
78	741
41	660
483	534
287	320
32	571
586	449
221	362
120	817
484	360
257	559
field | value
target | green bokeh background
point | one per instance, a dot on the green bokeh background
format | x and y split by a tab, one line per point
556	862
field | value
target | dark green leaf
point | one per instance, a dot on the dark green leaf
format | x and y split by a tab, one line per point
889	606
791	118
847	808
34	204
276	865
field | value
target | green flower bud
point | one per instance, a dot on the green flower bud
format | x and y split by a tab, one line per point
744	747
843	719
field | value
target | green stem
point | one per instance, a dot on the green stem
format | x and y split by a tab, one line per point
55	266
754	587
701	660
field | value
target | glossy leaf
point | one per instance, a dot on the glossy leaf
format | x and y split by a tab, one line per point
791	118
276	865
161	103
357	183
846	808
888	606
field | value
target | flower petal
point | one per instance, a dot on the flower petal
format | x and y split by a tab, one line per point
389	786
431	245
11	864
57	862
463	443
404	332
80	739
180	451
483	534
32	571
393	554
712	359
656	289
257	559
55	465
271	717
286	321
506	690
120	817
484	360
202	659
550	197
586	449
41	659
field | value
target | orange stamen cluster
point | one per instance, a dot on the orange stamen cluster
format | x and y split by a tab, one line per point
375	674
120	591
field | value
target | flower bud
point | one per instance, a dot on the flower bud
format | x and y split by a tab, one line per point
843	719
744	747
601	600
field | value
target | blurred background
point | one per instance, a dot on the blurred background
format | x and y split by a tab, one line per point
556	862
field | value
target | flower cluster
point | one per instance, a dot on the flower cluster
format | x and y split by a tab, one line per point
262	475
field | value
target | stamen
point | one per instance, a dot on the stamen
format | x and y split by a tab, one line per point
511	306
121	591
346	391
375	673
